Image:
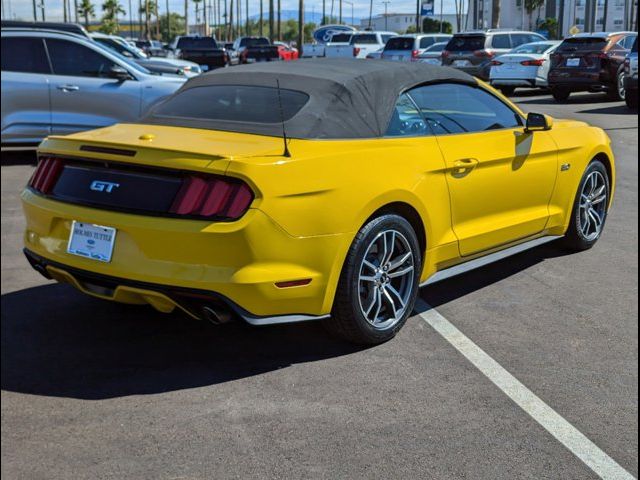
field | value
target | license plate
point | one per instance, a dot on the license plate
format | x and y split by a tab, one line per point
91	241
573	62
460	63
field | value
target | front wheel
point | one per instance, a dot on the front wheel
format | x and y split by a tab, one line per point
379	282
590	208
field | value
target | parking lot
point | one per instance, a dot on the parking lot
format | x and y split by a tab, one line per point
92	389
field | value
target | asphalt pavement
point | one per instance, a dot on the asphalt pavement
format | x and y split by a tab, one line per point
92	389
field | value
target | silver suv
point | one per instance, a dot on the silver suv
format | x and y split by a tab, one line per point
473	52
407	48
60	83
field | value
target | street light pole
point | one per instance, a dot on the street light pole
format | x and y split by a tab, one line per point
386	4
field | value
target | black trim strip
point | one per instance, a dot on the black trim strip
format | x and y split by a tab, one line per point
110	151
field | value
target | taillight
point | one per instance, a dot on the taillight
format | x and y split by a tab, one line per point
532	63
484	53
46	174
212	197
496	62
414	54
356	51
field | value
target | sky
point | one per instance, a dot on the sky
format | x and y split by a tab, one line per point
23	9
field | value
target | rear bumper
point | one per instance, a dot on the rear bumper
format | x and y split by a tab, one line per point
517	82
583	81
239	262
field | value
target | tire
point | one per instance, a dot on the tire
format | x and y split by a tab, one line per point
507	91
582	233
370	305
617	92
560	94
631	99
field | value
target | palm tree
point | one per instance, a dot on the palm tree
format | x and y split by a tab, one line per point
147	7
111	9
86	10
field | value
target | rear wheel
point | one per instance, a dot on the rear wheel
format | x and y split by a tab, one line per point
589	208
379	282
617	92
560	94
506	91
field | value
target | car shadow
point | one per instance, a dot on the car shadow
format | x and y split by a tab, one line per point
614	110
576	98
448	290
57	342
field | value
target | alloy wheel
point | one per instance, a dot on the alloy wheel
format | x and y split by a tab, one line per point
621	89
385	279
593	206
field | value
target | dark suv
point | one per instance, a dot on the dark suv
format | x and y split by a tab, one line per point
472	52
590	62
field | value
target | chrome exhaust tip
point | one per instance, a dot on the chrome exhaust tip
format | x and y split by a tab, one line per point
215	315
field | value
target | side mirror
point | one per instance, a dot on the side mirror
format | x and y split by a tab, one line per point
537	122
119	73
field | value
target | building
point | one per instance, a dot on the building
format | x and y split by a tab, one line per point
400	22
605	15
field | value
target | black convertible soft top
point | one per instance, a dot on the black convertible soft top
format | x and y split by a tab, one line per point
347	98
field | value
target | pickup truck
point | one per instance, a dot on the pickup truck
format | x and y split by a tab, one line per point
360	44
313	50
256	49
202	50
339	46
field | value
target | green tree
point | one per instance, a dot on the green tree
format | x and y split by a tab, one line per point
551	26
531	6
176	26
87	10
429	25
111	9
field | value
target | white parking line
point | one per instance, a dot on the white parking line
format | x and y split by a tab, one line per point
583	448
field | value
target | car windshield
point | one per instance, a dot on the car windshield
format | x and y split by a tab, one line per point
367	38
126	60
533	48
341	38
196	42
119	48
400	43
254	42
233	103
466	43
582	44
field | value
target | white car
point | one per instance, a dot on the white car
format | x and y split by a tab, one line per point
359	45
433	54
339	45
377	55
524	66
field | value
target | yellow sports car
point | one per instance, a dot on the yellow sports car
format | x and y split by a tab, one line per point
318	189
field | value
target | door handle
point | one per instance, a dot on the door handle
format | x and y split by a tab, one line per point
464	165
68	88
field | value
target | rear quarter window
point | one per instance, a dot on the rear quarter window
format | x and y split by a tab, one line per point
582	44
501	41
233	103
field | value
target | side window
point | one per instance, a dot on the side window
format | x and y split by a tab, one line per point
426	42
450	108
385	38
518	39
23	54
501	41
69	58
628	42
406	120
